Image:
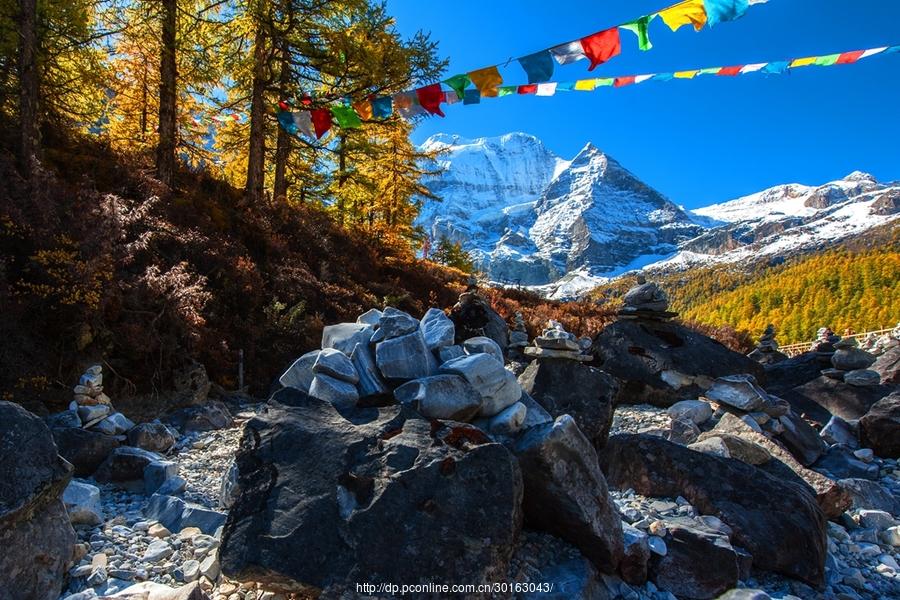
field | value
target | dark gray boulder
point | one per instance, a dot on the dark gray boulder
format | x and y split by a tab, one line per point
866	494
823	397
552	569
888	365
208	417
800	438
175	514
839	462
376	494
154	437
663	362
777	521
699	563
35	533
793	372
473	316
879	429
566	493
564	386
86	450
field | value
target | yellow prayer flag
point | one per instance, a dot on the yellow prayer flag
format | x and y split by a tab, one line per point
364	110
804	62
686	74
692	12
486	80
586	85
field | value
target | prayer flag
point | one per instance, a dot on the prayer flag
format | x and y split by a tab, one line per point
546	89
709	71
873	52
567	86
382	108
568	53
601	46
345	116
663	77
604	81
642	78
623	81
538	66
473	96
730	71
753	68
459	83
686	74
719	11
848	58
303	123
506	90
285	119
804	62
321	118
641	28
531	88
586	85
827	61
776	68
363	109
430	98
486	80
692	12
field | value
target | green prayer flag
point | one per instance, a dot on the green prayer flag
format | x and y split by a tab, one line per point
827	61
641	28
602	81
709	71
345	116
459	83
506	90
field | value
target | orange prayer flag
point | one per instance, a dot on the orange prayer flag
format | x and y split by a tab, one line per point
486	80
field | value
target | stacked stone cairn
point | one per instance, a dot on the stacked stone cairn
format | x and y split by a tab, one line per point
850	364
518	337
824	345
646	301
93	409
417	361
556	342
877	345
766	351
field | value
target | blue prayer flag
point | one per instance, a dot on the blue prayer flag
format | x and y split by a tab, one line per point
473	96
538	66
382	108
719	11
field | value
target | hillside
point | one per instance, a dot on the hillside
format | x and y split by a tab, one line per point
855	285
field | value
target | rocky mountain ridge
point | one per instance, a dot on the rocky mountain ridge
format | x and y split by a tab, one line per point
533	219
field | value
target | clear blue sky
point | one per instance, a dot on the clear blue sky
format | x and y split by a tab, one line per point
700	141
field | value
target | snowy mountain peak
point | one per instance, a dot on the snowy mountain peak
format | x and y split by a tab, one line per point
860	176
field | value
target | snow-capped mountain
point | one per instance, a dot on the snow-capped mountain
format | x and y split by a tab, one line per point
531	218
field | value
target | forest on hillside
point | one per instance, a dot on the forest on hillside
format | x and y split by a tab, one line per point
853	286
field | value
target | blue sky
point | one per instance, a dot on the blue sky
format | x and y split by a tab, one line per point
700	141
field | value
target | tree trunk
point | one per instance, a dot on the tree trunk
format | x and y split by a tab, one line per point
144	101
283	141
168	71
342	175
256	155
29	148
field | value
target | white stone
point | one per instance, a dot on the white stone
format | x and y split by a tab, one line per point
209	567
394	323
300	374
697	411
509	420
887	559
865	454
340	393
891	536
497	386
711	445
437	328
114	424
157	551
877	519
405	357
446	396
370	317
739	391
82	502
657	545
191	570
335	363
370	381
483	345
345	336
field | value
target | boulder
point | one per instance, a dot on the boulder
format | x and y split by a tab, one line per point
699	563
839	462
300	374
67	418
862	378
150	590
370	317
85	450
191	384
851	359
483	345
93	414
175	514
565	491
866	494
683	431
800	439
697	411
508	421
335	363
662	362
208	417
340	393
839	431
35	533
153	437
777	521
441	397
879	428
552	569
713	445
792	372
473	316
823	397
888	365
635	555
832	499
438	329
741	392
114	424
370	381
568	387
405	357
393	324
345	336
446	353
739	448
497	386
82	502
126	465
324	499
536	414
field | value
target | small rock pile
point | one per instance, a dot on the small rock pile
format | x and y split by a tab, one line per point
766	351
824	344
646	301
556	342
92	409
518	336
851	365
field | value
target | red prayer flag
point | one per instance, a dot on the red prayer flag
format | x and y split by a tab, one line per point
730	70
430	98
848	58
602	46
321	118
623	81
283	105
528	89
